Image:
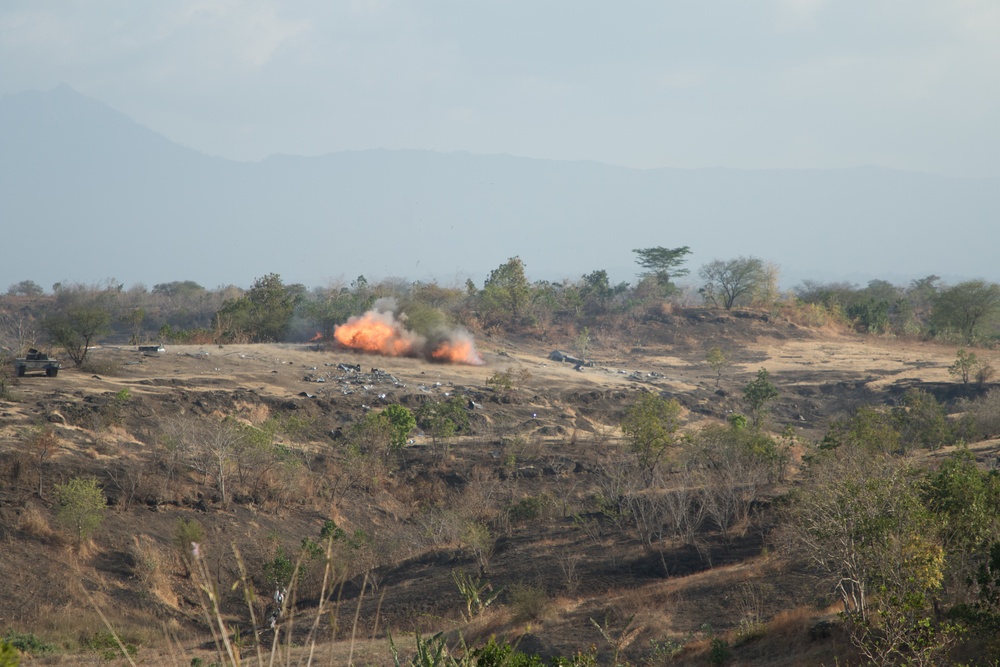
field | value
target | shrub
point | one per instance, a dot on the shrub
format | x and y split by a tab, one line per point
81	507
279	570
186	533
493	654
528	509
103	643
527	601
9	656
719	651
26	642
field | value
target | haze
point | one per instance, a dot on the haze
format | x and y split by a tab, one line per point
790	84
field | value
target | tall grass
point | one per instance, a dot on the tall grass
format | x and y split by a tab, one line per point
228	638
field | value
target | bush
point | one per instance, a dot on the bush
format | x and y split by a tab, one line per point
279	570
528	509
9	656
26	642
81	507
103	643
527	601
719	651
493	654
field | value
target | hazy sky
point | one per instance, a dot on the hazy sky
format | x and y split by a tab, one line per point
910	84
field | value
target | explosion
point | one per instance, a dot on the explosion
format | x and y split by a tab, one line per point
379	332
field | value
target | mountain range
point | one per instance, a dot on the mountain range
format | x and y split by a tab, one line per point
87	194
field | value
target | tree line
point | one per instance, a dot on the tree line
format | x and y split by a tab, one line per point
74	316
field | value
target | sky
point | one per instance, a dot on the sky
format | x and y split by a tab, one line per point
906	84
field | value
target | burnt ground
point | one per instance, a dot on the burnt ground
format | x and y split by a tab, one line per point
544	441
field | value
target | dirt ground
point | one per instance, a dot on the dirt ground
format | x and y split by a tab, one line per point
566	417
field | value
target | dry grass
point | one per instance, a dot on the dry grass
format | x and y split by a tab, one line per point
34	522
148	569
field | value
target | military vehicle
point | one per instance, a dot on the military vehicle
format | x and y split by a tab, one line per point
37	361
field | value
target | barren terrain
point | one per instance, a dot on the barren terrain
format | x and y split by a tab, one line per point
545	440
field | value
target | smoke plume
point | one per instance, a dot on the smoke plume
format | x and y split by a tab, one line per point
379	331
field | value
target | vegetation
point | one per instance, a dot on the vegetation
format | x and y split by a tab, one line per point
877	504
757	395
76	327
81	507
733	282
662	264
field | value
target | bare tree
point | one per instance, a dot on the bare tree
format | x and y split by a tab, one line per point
18	331
733	281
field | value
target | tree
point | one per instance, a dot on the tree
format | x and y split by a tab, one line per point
735	466
263	314
442	419
81	507
649	426
861	522
663	263
133	320
401	422
758	394
76	327
19	331
922	422
506	291
733	281
718	362
178	288
25	288
966	307
964	497
964	366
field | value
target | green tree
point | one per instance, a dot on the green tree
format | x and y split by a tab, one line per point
733	281
718	362
507	293
964	366
650	426
922	422
263	314
330	308
964	497
757	395
663	263
597	292
76	327
869	428
9	656
870	315
443	419
966	308
401	422
860	521
178	288
81	507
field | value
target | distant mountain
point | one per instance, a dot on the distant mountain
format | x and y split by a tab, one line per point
86	194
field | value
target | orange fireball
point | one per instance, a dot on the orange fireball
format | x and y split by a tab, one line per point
378	333
461	351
